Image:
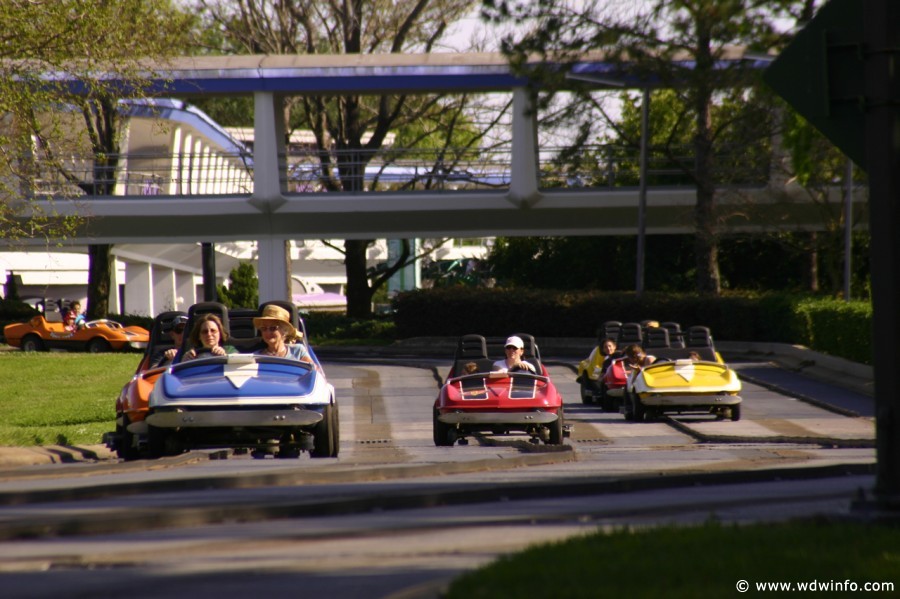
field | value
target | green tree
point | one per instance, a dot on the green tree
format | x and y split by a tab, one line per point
818	166
665	43
243	292
349	130
99	48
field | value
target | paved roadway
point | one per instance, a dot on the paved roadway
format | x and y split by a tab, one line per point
395	516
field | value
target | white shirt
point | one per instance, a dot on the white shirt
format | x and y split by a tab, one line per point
500	366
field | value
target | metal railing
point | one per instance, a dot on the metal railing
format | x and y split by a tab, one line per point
388	170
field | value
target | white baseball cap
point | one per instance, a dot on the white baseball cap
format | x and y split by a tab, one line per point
515	341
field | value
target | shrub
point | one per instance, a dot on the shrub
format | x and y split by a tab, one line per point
830	326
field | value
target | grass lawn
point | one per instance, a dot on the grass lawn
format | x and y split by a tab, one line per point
60	398
705	561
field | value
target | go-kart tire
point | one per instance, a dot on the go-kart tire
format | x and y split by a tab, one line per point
736	413
556	430
98	345
587	395
336	430
323	435
640	412
32	343
442	432
629	408
125	448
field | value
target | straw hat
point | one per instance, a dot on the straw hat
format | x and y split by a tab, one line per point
273	314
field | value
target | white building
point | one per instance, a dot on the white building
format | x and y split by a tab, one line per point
150	278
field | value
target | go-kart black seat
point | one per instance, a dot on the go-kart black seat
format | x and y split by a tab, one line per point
243	335
609	329
656	337
629	334
699	336
676	338
472	347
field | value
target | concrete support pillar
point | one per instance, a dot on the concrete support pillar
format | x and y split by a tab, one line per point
175	172
523	185
186	172
196	170
163	280
115	281
138	288
269	150
185	290
272	269
203	170
269	162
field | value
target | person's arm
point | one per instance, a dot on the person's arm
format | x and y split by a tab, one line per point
524	365
298	351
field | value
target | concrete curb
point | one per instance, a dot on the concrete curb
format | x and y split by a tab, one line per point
130	519
340	474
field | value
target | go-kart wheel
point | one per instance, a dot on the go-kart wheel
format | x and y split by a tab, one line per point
587	394
556	430
336	430
735	413
32	343
323	435
443	433
629	408
98	345
125	448
638	409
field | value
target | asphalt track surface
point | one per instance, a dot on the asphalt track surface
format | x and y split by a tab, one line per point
425	493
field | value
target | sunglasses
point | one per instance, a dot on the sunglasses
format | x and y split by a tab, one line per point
179	329
511	347
270	328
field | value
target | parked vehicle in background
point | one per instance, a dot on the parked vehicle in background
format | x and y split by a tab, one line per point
48	331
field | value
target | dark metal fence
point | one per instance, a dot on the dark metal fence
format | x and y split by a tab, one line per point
390	170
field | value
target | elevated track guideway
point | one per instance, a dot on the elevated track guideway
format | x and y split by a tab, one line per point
264	207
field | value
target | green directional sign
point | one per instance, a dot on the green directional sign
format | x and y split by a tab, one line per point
821	74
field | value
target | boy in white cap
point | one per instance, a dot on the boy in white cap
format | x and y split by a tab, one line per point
513	362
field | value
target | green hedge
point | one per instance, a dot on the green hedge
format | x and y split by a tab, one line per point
837	328
830	326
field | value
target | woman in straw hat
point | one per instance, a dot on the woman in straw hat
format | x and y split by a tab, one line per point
278	332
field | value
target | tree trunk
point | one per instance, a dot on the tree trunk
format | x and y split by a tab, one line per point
707	242
99	271
359	294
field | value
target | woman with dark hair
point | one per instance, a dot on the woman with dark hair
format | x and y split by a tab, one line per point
636	358
208	338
